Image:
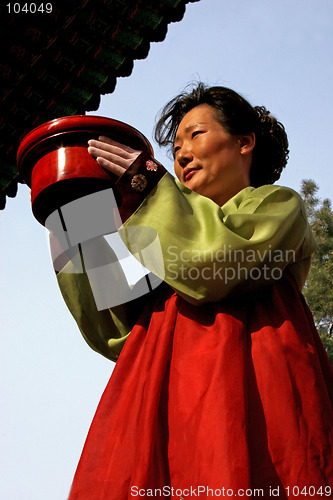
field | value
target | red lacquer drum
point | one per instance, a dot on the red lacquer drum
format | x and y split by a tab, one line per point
54	161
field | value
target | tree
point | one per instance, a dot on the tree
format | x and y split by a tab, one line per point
318	289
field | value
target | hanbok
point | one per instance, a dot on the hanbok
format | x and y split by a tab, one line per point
221	385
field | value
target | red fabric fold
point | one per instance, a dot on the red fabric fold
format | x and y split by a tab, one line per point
234	395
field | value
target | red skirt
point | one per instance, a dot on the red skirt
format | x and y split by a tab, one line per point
226	399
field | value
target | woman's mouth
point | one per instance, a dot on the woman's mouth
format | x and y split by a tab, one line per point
189	172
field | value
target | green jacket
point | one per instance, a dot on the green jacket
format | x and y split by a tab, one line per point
202	251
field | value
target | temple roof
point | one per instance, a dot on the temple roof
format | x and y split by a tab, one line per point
59	63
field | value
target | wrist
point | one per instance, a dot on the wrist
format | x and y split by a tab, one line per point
136	183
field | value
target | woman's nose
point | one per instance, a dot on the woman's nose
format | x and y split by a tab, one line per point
184	156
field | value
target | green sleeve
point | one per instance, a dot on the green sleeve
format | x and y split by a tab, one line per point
105	330
202	251
210	252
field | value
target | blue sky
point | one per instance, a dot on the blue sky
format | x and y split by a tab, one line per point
275	53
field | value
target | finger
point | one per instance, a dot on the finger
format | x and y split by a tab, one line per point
107	144
109	148
111	167
124	147
112	157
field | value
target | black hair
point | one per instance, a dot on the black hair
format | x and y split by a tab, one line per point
238	117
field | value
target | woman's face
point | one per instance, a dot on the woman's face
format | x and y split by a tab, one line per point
209	160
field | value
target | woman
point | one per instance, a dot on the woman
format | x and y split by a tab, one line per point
222	387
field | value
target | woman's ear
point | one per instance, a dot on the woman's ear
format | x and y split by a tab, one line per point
247	143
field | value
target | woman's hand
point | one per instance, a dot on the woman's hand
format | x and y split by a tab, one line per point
112	155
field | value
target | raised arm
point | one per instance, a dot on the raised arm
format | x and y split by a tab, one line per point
203	251
210	252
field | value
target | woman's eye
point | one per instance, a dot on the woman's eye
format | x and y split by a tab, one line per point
177	148
196	132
